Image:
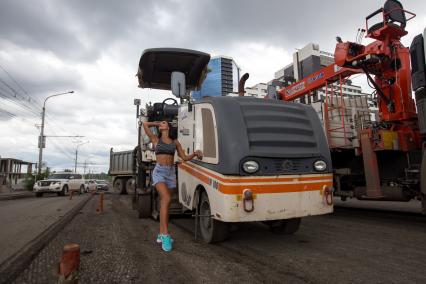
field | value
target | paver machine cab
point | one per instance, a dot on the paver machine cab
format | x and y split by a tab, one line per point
262	161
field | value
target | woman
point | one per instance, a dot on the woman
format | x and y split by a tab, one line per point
164	174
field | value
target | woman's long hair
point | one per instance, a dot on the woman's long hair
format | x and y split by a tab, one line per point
173	132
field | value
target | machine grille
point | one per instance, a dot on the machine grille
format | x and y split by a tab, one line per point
274	127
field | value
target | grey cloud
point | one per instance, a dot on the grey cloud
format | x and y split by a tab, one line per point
74	30
81	33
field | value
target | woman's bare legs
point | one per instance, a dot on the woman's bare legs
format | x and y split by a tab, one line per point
165	198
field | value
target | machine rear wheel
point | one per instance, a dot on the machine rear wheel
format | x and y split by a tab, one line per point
144	205
212	230
285	227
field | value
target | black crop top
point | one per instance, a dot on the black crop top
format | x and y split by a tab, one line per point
164	148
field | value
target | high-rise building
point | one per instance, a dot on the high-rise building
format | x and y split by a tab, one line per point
222	78
258	90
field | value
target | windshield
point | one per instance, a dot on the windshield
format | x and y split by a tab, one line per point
101	181
59	176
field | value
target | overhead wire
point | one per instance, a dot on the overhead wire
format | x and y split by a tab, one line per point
19	85
23	104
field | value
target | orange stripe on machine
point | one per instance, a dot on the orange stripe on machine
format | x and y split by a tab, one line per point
259	185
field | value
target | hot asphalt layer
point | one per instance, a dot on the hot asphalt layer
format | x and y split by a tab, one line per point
349	246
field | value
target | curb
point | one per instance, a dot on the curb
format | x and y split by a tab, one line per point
15	264
16	196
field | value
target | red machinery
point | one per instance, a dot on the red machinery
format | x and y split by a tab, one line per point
386	164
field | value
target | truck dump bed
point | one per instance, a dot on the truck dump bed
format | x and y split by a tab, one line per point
121	163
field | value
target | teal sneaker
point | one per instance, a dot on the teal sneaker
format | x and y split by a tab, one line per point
166	243
159	238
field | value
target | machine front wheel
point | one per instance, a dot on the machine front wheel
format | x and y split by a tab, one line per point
134	202
144	205
212	230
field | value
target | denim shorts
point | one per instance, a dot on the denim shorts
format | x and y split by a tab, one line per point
165	174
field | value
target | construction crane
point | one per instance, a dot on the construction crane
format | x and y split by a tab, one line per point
386	163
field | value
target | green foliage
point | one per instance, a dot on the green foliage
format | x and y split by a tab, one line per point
103	176
67	171
44	174
29	182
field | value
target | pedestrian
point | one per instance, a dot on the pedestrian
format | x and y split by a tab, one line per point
164	174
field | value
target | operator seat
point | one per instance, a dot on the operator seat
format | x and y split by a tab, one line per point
394	13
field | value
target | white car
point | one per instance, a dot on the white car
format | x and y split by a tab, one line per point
60	183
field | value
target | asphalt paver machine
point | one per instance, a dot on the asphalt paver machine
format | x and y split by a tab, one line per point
262	160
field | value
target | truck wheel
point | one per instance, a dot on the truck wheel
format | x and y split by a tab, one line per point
212	230
39	194
119	185
285	227
130	186
144	206
64	191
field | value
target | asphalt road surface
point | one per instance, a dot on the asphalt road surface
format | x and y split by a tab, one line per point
349	246
24	219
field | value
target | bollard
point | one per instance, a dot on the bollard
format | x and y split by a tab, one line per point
70	264
100	208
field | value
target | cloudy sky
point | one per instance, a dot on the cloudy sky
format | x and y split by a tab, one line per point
93	47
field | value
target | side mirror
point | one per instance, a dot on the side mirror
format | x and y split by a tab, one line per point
71	177
178	84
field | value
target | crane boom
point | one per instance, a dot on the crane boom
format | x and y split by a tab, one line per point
315	81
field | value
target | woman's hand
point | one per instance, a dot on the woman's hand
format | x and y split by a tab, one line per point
199	154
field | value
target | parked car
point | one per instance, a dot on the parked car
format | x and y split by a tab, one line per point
102	185
91	186
60	183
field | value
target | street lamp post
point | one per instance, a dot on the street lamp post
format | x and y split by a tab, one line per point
76	155
41	140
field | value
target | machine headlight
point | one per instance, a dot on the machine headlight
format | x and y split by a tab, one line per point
57	182
320	166
251	167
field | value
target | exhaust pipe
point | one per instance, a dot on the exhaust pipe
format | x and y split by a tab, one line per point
241	84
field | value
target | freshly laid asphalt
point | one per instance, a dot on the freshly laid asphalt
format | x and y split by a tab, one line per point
22	220
349	246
